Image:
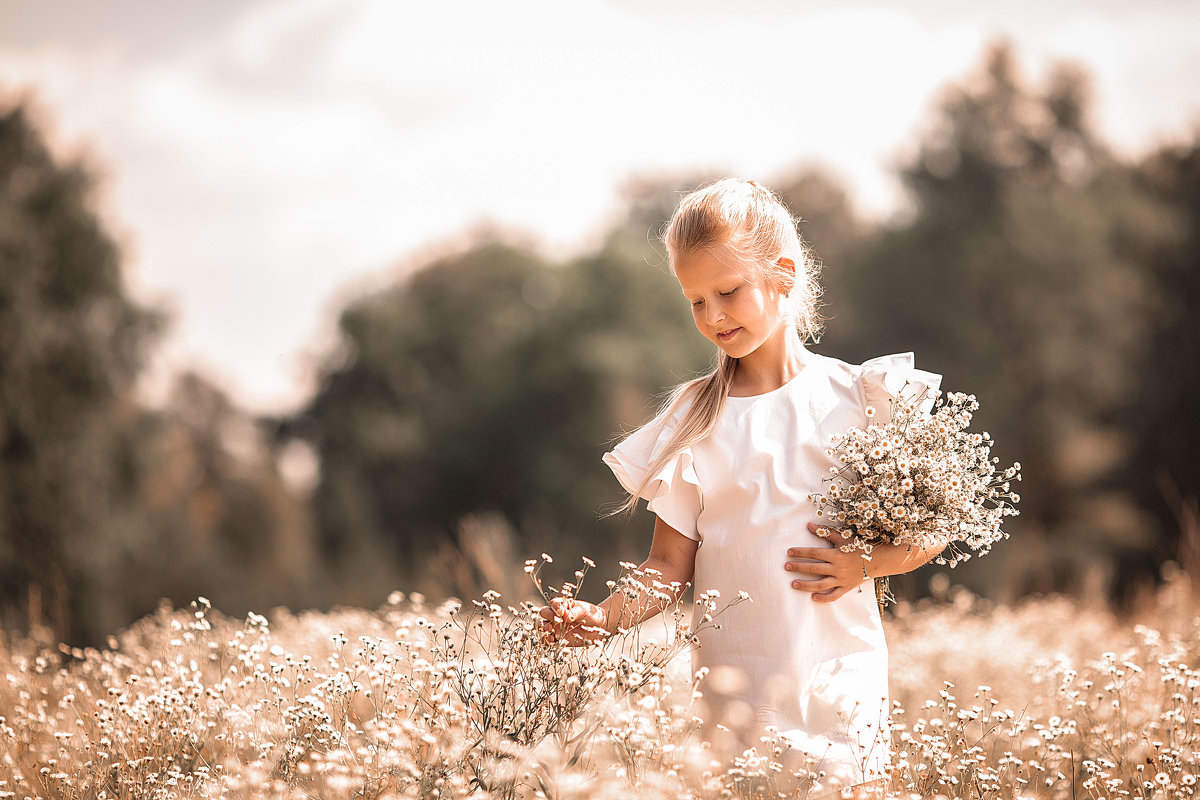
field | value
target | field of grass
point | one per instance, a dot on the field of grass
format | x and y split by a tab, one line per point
1048	699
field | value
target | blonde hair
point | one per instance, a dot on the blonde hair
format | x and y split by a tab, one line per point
752	223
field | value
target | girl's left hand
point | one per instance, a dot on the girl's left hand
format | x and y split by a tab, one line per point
836	572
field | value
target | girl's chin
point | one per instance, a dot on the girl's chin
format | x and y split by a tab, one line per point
734	349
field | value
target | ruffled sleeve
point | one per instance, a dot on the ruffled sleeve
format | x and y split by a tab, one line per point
673	492
888	377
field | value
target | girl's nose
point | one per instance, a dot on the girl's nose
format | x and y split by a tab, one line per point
715	313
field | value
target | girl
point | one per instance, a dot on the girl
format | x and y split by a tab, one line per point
727	468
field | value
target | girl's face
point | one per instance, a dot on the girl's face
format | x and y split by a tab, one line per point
733	306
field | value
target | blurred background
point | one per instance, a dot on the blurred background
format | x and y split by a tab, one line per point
304	302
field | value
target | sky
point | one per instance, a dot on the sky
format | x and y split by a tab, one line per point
263	161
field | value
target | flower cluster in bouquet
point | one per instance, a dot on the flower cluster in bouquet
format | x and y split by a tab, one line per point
919	479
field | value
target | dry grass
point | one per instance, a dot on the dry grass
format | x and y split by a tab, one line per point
1048	699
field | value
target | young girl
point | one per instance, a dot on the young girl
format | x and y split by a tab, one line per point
727	468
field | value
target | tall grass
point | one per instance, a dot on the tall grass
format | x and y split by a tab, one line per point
1047	699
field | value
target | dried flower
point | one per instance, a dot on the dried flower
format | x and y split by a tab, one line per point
921	480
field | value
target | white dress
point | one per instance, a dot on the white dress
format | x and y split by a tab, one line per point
815	672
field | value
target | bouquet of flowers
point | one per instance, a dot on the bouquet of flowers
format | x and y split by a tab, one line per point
919	479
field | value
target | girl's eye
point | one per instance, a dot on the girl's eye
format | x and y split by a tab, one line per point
697	303
726	294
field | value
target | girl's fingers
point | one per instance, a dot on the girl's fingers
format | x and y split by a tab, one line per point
575	612
813	553
563	611
830	596
822	585
809	568
569	622
551	614
553	624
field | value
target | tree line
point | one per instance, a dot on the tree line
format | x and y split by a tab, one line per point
458	425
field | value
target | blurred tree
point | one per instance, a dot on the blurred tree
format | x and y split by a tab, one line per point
71	345
207	514
107	506
1167	434
461	420
832	228
1018	276
491	381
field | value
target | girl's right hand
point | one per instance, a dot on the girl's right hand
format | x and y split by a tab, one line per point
574	622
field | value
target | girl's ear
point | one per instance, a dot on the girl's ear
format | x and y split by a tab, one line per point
787	274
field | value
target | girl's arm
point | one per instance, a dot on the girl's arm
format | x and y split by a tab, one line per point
834	573
668	567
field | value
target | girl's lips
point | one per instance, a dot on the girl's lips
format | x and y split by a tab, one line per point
727	335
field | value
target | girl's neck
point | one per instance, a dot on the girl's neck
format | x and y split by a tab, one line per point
773	364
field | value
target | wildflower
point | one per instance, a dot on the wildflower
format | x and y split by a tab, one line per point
920	479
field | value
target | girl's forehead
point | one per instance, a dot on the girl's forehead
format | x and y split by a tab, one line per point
714	264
